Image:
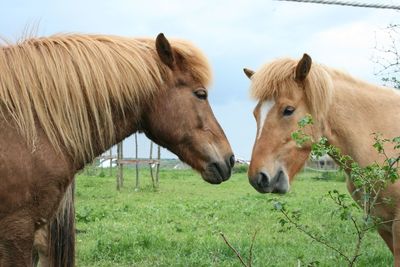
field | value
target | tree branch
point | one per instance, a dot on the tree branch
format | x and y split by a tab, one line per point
251	248
234	250
321	241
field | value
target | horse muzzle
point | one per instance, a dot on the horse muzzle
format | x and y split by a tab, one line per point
264	183
217	172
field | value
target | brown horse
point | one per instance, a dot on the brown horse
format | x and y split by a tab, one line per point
54	243
345	110
68	98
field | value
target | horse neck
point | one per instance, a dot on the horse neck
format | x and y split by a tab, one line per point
357	111
125	124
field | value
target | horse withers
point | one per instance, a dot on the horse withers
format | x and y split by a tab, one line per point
345	110
67	98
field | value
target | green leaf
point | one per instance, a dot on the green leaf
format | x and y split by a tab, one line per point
278	206
306	120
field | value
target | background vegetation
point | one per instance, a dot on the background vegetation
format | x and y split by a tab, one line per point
180	224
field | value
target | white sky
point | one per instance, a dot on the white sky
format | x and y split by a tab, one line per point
232	33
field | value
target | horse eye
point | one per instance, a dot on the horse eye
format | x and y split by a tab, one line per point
288	111
201	94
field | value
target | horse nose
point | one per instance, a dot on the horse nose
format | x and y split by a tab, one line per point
260	182
232	161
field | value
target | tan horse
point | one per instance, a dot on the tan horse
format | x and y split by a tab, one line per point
345	110
66	99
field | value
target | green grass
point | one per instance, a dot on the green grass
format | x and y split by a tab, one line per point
179	225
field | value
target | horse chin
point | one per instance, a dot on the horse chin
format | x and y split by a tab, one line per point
273	190
280	191
216	173
211	179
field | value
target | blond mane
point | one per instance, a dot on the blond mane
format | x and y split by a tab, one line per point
277	78
68	85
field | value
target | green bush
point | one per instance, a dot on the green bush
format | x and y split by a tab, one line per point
240	168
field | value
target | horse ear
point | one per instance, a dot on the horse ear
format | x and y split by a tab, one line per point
249	73
164	50
303	68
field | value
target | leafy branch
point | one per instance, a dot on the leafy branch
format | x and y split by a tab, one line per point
387	56
293	219
369	181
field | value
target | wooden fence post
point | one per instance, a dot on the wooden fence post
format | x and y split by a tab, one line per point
111	161
119	166
121	162
137	165
121	178
158	164
151	165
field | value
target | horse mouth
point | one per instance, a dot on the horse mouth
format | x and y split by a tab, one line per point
279	184
216	173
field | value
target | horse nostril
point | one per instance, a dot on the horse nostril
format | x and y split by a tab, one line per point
232	161
262	180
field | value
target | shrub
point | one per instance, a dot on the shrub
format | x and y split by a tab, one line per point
240	168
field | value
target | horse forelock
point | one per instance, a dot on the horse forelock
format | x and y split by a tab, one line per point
72	84
277	78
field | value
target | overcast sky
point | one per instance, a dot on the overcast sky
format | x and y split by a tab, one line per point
233	34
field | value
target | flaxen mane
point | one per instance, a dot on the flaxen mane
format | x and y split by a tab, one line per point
277	78
69	84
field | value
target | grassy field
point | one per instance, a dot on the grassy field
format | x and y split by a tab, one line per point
179	225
